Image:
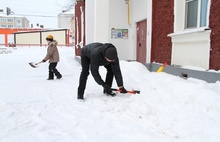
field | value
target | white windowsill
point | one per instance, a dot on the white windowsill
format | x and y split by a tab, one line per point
189	31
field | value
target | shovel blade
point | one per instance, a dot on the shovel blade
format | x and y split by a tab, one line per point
32	64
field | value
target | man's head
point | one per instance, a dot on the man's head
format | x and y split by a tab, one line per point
111	54
49	38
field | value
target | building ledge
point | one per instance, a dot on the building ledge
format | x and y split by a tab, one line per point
189	31
208	76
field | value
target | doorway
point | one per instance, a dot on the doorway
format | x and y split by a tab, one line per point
141	41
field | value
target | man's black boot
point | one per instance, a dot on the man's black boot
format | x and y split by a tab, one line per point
109	93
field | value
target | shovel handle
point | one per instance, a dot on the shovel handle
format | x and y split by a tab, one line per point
128	91
39	62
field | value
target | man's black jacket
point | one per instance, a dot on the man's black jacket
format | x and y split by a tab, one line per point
95	52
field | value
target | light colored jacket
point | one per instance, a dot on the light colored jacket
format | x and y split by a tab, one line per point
52	53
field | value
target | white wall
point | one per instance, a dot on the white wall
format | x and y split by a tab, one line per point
118	15
89	22
192	49
64	20
103	15
101	23
139	9
189	46
118	19
179	15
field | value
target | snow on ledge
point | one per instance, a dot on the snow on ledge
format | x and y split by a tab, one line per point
189	31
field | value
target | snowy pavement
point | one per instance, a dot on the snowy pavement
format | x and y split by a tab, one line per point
168	109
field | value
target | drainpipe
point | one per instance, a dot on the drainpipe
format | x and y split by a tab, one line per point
128	3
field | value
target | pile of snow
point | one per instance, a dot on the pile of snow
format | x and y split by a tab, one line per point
168	109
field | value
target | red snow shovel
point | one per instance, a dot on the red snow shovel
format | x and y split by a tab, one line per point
128	91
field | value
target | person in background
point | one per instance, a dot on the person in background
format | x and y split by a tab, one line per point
53	57
94	55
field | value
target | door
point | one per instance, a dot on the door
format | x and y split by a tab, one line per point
141	41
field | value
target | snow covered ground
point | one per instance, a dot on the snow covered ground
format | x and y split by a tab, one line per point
168	109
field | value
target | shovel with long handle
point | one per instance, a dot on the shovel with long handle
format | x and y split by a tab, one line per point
128	91
35	65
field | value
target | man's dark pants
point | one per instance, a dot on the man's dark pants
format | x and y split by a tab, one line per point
85	62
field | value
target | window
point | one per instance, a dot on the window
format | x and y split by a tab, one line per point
10	20
196	13
3	20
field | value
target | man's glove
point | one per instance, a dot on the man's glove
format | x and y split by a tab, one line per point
122	90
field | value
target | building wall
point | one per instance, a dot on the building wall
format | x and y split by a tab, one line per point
65	20
103	15
13	22
89	22
101	29
167	39
190	47
39	37
27	38
162	25
215	35
79	26
60	36
7	34
140	10
118	19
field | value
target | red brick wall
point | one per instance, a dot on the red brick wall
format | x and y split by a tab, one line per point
214	24
78	26
162	25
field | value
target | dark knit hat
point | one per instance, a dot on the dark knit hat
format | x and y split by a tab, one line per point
111	53
49	38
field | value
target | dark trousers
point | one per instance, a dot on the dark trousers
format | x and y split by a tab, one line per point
85	62
53	70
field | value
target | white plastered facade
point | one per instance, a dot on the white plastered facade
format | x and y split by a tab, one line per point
103	15
190	47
